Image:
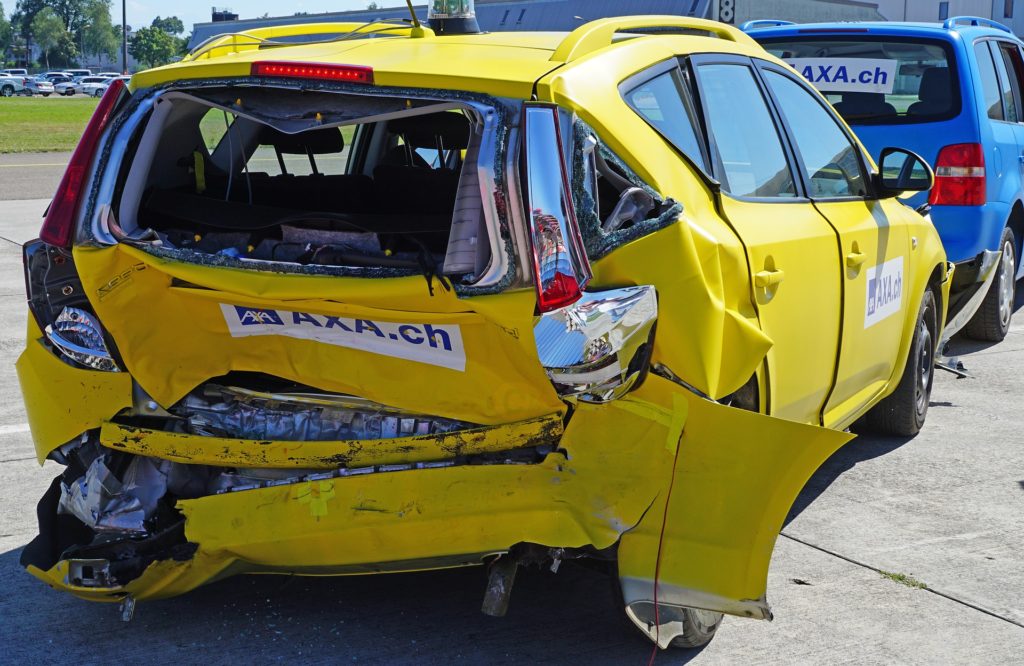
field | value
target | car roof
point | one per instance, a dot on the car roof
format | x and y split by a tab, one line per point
498	63
881	28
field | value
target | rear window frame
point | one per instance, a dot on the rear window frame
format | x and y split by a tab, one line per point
951	61
679	64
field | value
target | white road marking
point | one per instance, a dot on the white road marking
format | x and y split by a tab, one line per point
13	429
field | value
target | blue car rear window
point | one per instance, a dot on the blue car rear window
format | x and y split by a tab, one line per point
876	81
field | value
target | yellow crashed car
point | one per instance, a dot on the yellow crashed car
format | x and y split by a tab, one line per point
320	303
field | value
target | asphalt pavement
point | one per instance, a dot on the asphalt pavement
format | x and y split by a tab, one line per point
945	509
26	176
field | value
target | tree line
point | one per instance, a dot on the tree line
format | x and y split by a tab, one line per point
67	31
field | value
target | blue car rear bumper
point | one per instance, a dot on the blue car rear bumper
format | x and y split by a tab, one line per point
967	231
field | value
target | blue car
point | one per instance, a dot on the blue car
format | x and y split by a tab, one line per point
952	93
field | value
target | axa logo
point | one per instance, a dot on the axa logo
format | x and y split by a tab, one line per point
883	290
841	74
256	316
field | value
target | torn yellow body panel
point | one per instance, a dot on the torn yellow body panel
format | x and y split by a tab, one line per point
734	482
708	338
169	321
230	452
62	401
709	332
608	477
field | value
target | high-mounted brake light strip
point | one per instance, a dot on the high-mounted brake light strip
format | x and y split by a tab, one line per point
308	70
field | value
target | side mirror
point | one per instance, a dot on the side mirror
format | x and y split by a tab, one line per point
902	171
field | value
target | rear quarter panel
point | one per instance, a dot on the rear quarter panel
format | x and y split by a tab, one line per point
708	331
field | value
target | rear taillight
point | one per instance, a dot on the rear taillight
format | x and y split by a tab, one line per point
560	266
303	70
959	176
59	225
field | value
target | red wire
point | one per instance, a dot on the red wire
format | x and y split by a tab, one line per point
657	562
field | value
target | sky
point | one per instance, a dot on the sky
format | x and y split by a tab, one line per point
142	12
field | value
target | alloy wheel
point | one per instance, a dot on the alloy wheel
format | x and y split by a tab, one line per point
926	360
1006	286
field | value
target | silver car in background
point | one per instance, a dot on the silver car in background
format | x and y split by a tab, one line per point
11	84
94	86
38	86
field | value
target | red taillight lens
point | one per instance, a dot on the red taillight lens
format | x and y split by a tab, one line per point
303	70
560	265
959	176
59	225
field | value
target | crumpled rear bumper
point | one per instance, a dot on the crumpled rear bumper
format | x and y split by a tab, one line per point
675	482
603	473
401	521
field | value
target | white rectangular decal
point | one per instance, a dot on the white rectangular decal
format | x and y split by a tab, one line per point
423	343
884	291
868	75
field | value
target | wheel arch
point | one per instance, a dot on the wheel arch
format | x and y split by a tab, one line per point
1016	224
936	282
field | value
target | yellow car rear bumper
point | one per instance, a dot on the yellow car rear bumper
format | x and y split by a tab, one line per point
660	473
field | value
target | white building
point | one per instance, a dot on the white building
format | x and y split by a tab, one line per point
1007	12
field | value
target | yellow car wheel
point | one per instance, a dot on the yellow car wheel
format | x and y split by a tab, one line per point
903	413
699	627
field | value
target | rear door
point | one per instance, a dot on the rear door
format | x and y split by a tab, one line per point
791	248
873	247
1010	70
1002	157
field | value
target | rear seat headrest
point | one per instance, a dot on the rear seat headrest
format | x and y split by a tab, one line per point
935	85
324	141
422	131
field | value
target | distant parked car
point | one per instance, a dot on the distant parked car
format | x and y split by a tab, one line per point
79	73
102	88
109	74
66	88
89	84
38	86
11	85
23	73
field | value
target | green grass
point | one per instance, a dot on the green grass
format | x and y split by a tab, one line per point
904	579
43	124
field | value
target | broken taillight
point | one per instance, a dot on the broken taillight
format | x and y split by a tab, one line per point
309	70
59	225
560	265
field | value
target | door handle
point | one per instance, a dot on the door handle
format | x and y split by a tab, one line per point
855	259
766	279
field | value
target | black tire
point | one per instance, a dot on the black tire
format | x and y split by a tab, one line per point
98	93
7	91
992	320
699	627
69	92
903	412
46	94
28	93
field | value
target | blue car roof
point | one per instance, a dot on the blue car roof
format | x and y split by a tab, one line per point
881	28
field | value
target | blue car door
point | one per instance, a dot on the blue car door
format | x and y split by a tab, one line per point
1003	159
